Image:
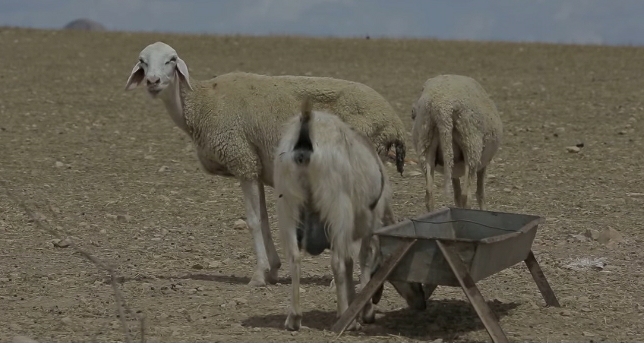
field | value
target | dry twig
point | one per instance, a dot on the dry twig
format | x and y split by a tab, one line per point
40	221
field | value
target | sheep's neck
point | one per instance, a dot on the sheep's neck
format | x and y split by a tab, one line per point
174	104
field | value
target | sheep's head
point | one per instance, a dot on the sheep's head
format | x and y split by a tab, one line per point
159	66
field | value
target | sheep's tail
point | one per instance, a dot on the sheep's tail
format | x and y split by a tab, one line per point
400	155
445	127
304	147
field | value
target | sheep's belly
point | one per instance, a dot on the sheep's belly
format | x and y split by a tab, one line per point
212	166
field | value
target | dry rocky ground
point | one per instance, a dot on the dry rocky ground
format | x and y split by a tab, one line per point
109	168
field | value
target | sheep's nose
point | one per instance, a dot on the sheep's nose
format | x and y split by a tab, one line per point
153	80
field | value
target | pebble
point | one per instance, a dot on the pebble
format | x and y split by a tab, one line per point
59	164
164	169
240	224
573	149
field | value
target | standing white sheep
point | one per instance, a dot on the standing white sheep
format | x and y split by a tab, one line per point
457	131
332	186
234	120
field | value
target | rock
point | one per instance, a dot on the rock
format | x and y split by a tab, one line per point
610	237
241	301
565	313
61	243
573	149
588	334
23	339
197	266
123	218
59	164
580	238
592	234
84	25
214	264
66	320
164	169
507	190
240	224
414	173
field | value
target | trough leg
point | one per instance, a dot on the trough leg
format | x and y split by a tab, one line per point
473	294
429	289
541	281
370	289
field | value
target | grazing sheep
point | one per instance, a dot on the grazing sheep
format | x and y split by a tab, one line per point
457	131
234	120
333	193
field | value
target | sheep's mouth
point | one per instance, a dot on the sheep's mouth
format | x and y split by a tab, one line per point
154	91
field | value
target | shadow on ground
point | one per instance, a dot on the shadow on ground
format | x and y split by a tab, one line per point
230	279
446	319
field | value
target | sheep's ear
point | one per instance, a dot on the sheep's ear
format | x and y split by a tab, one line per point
182	68
135	77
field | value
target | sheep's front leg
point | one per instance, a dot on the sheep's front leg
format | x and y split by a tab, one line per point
480	187
252	203
273	257
344	289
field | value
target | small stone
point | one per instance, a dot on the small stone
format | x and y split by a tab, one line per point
566	313
580	238
610	237
23	339
164	169
123	218
414	173
102	231
639	308
240	224
59	164
241	301
111	216
592	234
214	264
66	320
560	130
573	149
588	334
622	132
507	190
197	266
4	279
61	243
54	209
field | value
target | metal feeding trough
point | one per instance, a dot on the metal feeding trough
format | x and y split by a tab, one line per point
455	247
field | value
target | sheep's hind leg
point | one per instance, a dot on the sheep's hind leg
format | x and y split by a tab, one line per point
480	187
273	257
367	259
458	192
430	163
343	274
252	203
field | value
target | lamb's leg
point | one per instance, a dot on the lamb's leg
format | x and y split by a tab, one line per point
480	187
367	258
458	192
273	257
343	274
287	226
252	203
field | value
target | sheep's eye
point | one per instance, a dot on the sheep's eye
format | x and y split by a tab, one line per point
172	59
141	61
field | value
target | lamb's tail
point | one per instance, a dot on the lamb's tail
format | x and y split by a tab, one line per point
445	126
304	147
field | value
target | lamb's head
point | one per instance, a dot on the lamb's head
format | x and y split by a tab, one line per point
159	66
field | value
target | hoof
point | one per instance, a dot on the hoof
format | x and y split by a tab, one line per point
293	322
354	326
369	314
271	276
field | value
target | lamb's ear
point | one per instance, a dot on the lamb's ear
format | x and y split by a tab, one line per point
135	77
182	68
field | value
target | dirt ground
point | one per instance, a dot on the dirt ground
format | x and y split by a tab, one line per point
109	168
